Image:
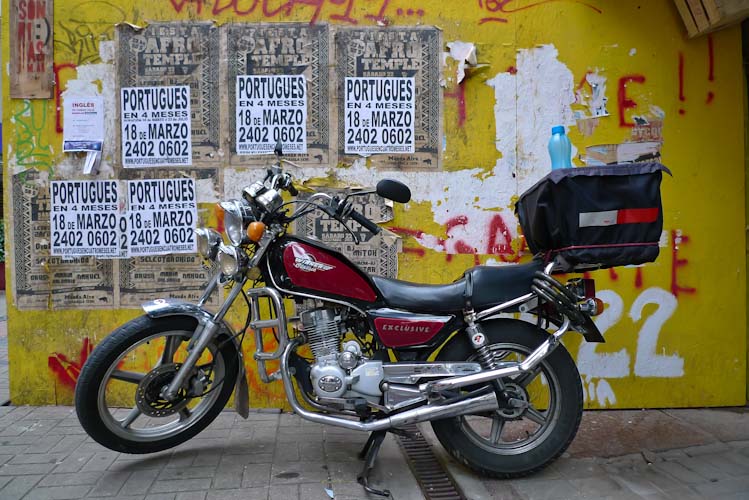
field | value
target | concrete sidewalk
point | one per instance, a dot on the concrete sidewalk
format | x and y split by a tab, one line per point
44	454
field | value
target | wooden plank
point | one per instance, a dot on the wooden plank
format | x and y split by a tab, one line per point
686	16
31	42
712	11
732	11
699	15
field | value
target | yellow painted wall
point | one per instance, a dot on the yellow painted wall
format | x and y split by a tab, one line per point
676	329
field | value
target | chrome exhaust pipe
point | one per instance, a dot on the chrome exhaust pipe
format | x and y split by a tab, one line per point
479	404
533	359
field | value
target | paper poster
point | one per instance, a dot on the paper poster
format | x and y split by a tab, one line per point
31	40
297	49
390	55
271	109
161	216
85	218
181	276
156	126
178	53
84	123
379	115
43	281
375	254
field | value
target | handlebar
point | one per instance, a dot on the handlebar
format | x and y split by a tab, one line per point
366	223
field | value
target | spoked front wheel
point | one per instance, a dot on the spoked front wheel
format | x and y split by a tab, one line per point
118	394
516	441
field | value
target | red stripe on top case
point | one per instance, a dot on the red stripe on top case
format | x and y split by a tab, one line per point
636	215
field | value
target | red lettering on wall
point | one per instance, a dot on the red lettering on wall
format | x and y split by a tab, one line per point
459	94
505	7
678	239
624	101
66	370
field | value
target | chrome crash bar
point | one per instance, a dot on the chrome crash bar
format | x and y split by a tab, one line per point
257	325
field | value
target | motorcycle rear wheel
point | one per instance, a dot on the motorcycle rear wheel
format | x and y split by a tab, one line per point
516	442
117	396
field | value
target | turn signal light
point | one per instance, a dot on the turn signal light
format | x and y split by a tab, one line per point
255	231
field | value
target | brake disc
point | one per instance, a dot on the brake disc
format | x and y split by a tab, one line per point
148	396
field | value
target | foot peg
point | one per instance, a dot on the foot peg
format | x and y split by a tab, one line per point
369	454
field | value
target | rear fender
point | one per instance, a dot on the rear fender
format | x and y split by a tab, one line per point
174	307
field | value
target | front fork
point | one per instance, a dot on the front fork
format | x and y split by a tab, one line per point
203	336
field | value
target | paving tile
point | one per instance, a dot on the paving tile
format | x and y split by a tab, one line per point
160	486
140	482
703	466
239	494
724	486
191	495
69	443
24	469
256	475
110	484
101	461
18	487
161	496
544	489
578	467
71	479
597	486
228	477
58	493
313	491
283	492
187	473
38	458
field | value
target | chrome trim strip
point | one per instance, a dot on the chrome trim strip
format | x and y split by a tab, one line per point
310	296
525	366
499	308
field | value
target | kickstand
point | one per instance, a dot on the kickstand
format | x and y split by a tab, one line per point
369	453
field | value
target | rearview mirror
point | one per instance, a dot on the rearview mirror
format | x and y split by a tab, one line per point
278	149
394	190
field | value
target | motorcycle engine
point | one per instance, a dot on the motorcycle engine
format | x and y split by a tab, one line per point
338	373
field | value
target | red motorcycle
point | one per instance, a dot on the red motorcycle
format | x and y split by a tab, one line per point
368	353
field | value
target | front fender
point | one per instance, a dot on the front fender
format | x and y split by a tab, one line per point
159	308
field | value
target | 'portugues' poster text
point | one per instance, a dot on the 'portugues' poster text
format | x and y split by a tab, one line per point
156	126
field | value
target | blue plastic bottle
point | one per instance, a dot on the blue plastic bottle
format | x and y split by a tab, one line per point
560	149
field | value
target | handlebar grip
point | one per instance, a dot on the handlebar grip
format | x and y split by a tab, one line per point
292	190
366	223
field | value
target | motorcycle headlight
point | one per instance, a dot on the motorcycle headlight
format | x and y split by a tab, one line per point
208	241
237	215
229	260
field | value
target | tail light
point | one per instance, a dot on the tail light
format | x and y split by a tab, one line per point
584	288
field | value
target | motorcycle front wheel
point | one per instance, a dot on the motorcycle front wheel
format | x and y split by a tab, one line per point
514	442
118	394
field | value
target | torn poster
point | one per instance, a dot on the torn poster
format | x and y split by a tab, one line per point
283	49
156	126
31	41
271	110
161	216
42	281
627	152
178	53
374	254
85	218
465	54
400	52
379	115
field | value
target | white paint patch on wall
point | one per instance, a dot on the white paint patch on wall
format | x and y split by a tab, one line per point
528	104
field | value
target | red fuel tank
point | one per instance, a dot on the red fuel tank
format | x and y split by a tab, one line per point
313	267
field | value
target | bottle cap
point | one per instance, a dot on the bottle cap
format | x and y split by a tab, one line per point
559	129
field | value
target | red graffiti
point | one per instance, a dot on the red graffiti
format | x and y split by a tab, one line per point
505	7
682	97
512	70
678	239
271	9
638	278
180	4
710	67
66	370
499	241
459	94
624	101
58	93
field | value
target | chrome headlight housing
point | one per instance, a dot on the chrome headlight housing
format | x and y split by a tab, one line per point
208	241
230	260
237	216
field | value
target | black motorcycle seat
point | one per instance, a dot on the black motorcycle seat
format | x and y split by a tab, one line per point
492	285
